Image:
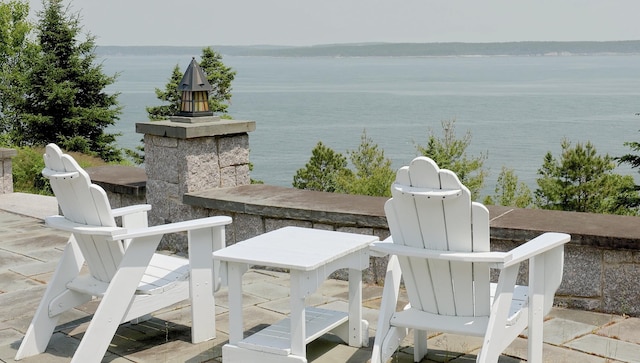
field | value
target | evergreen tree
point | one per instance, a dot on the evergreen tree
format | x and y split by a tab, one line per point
65	100
16	51
322	170
220	78
630	199
170	95
373	174
510	192
450	152
218	75
583	181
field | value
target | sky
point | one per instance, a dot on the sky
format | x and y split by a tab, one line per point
311	22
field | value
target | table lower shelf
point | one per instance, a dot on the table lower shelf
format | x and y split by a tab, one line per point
276	339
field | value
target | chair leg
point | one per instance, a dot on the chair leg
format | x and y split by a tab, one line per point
203	281
419	345
388	338
497	337
116	300
42	326
536	307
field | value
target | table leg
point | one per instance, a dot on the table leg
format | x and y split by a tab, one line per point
236	323
355	308
298	323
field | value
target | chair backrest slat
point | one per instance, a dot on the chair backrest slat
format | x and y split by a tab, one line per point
430	220
84	203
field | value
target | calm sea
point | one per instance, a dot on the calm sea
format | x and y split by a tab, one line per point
516	108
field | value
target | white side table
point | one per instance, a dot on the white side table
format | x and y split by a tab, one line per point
311	255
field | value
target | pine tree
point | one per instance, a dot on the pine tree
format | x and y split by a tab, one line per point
170	95
372	174
65	99
322	170
583	181
16	51
450	152
509	191
630	199
218	75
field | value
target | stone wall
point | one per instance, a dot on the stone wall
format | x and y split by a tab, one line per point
602	261
181	158
6	173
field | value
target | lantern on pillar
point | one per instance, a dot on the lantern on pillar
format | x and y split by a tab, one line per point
195	92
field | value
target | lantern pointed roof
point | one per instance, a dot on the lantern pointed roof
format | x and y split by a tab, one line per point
194	78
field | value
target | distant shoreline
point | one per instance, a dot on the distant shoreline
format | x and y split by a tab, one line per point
528	48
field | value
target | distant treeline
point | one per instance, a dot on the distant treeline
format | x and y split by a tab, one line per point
396	49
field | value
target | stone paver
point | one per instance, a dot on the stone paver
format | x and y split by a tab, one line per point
559	331
29	252
607	347
627	330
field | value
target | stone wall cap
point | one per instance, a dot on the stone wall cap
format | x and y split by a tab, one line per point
589	229
180	130
6	153
292	203
122	179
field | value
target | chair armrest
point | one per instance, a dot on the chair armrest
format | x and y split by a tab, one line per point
542	243
378	250
172	227
117	233
400	250
119	212
63	224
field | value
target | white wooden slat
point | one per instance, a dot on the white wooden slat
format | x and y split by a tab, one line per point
80	197
496	259
160	273
217	221
168	262
163	273
416	319
53	174
404	224
424	173
276	339
554	262
481	272
88	285
417	275
435	193
480	228
411	283
519	301
458	229
86	244
102	206
109	255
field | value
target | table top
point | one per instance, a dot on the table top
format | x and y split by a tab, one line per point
295	248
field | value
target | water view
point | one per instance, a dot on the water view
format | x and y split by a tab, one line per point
516	108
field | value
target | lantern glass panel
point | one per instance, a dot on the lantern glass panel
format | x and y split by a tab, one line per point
186	105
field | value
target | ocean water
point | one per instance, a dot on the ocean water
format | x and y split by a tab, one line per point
515	108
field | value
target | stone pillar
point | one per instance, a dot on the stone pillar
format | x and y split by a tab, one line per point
6	171
184	158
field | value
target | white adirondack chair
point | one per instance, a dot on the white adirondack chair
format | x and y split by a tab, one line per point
123	268
439	245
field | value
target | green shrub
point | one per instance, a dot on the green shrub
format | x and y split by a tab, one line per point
27	170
